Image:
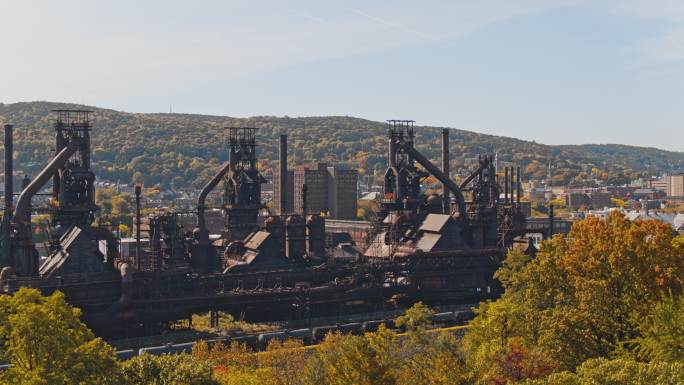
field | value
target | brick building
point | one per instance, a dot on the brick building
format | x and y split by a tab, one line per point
342	193
329	189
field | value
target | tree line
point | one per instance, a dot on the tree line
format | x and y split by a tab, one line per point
601	305
183	150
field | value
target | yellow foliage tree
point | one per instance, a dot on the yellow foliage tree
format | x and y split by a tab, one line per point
46	343
577	298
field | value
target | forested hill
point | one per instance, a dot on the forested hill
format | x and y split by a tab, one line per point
184	150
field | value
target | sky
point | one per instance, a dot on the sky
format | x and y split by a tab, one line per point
553	71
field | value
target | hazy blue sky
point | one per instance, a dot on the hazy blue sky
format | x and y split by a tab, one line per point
551	71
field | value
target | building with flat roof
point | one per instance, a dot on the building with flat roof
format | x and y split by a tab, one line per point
342	193
675	185
329	189
671	185
315	176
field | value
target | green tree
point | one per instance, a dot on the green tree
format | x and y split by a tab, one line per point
44	340
601	371
168	369
416	318
661	332
363	360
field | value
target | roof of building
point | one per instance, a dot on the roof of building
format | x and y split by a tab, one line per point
643	191
650	216
256	239
428	241
435	222
378	248
371	196
678	221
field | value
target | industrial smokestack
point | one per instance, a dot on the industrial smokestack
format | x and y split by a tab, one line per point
507	184
518	186
446	207
138	192
304	208
282	158
9	173
551	220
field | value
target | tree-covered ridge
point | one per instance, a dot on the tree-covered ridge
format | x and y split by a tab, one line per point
184	149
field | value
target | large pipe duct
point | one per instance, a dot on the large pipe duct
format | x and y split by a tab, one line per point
446	206
472	176
24	201
437	173
201	223
282	159
9	189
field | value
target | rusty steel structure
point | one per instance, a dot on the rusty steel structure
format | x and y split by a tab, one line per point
438	249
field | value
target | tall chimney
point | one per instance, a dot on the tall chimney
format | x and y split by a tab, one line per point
304	202
551	220
282	158
138	191
446	207
518	186
9	174
507	184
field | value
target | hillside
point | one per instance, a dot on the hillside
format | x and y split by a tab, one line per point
184	149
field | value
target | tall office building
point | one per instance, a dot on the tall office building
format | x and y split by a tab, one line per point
329	189
675	185
315	176
342	193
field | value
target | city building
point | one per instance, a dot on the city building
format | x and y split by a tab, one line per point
671	185
329	189
577	200
315	177
675	185
601	200
342	192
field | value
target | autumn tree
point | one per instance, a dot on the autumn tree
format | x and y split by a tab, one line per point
661	332
363	360
168	369
576	300
602	371
46	343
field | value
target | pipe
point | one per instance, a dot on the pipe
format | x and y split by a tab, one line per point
432	169
201	223
282	158
446	206
9	189
408	253
517	186
472	176
36	184
59	146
